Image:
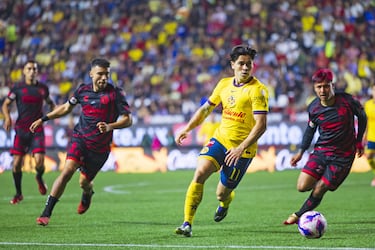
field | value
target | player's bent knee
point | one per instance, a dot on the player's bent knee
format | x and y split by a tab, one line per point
303	188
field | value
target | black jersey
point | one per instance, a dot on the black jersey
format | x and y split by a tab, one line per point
29	100
335	124
105	106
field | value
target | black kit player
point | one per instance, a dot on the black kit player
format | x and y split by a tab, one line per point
104	108
333	114
29	96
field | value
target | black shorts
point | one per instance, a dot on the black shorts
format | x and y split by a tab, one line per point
90	162
25	141
332	170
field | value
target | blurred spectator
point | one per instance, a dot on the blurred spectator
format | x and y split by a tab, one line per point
166	54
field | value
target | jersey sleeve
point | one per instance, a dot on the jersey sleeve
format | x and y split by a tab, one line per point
215	98
12	94
356	106
121	102
308	135
74	99
359	111
45	91
259	99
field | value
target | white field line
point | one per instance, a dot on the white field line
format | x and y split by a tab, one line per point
174	246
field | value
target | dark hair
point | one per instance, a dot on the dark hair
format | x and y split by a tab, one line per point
242	50
103	63
31	61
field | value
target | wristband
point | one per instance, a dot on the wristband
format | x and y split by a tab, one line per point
359	145
45	118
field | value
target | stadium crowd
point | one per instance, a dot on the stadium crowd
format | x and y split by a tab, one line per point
167	55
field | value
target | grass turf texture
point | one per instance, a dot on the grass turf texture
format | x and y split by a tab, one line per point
141	211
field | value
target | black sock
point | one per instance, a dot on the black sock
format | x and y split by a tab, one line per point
50	204
17	178
39	173
310	204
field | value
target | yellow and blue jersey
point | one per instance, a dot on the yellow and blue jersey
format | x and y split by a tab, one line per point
240	103
369	107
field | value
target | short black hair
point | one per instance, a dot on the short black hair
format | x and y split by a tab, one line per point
240	50
31	61
103	63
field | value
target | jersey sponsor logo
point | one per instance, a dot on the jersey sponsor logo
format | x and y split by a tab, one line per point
234	113
30	99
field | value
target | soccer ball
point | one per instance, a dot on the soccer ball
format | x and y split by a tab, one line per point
312	225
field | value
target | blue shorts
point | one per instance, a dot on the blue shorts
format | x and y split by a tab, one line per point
371	145
230	176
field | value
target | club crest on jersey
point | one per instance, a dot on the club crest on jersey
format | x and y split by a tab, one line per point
104	99
231	101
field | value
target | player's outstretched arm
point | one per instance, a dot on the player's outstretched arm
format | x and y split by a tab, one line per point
199	116
59	111
296	158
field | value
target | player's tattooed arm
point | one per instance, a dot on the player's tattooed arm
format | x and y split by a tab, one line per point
199	116
206	110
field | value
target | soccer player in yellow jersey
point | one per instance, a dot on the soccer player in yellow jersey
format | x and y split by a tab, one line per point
369	107
244	102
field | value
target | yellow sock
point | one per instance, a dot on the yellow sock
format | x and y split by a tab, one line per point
193	198
372	164
226	203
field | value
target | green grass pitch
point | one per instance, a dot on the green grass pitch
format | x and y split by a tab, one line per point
141	211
